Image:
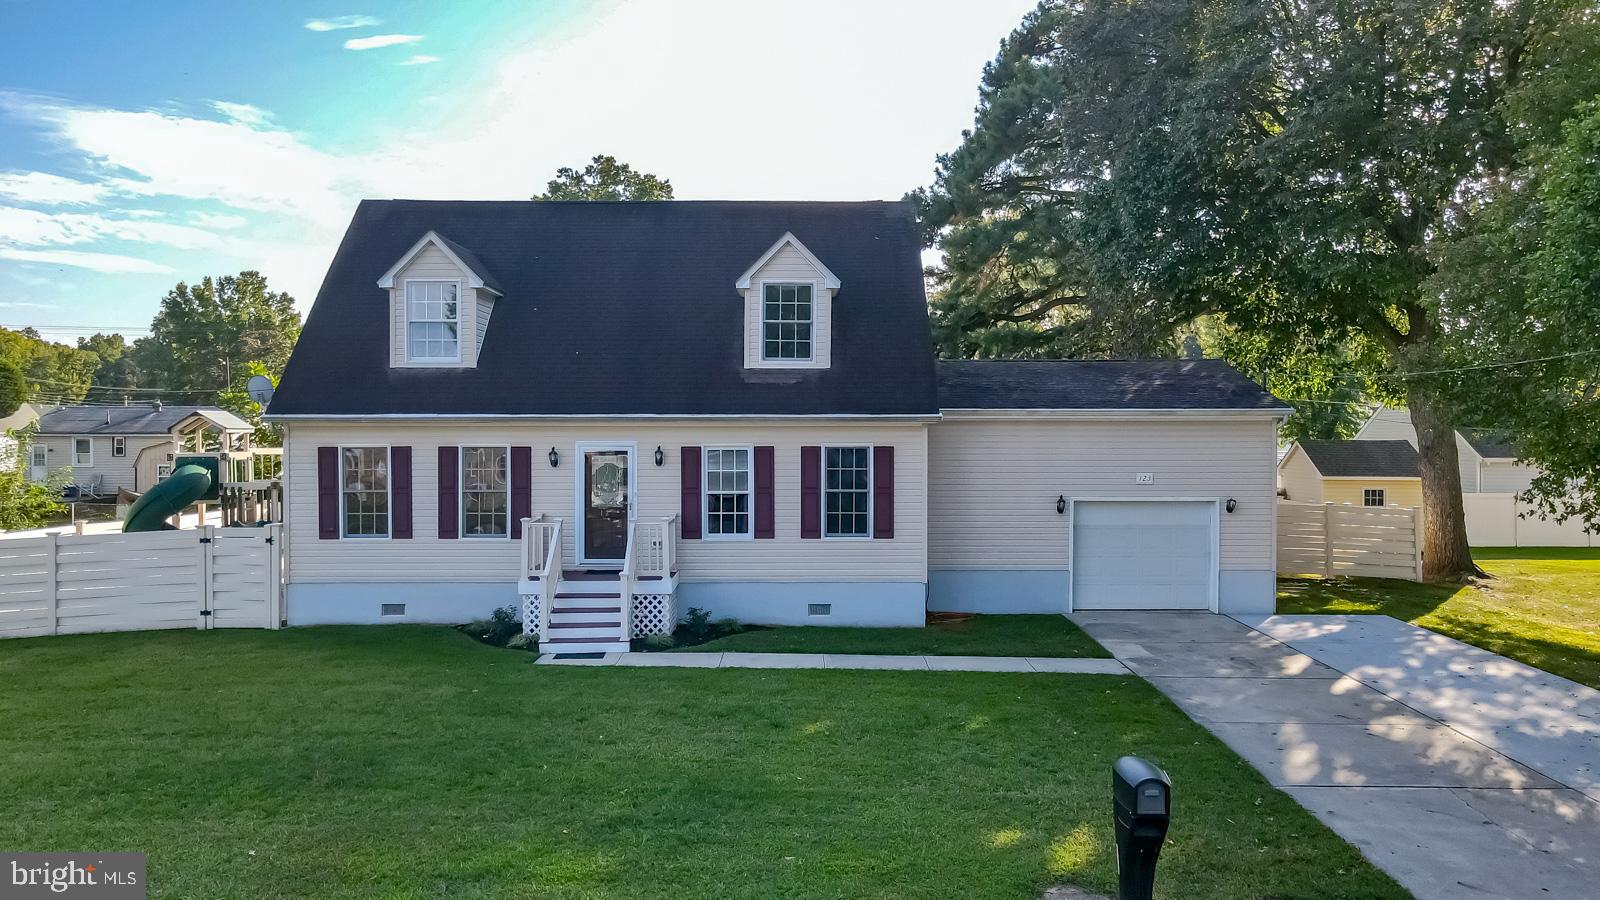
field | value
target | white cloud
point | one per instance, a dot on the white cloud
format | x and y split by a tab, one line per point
218	221
420	59
99	262
381	40
50	190
31	228
243	113
339	23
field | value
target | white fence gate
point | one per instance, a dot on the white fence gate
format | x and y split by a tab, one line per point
200	578
1331	540
1495	520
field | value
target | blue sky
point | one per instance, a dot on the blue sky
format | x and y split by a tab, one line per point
146	144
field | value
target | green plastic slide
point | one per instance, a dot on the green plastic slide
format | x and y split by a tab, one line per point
181	490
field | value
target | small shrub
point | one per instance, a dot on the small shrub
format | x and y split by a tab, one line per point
523	642
502	625
695	627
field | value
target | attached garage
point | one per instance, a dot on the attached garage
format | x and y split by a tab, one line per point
1144	554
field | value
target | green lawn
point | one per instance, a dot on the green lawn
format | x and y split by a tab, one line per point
977	636
410	762
1542	606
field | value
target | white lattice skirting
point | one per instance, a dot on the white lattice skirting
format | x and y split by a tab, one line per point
652	614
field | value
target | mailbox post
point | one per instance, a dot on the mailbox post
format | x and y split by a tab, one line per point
1141	799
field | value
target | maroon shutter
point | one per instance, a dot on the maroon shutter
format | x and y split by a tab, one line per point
328	493
883	492
400	490
764	492
521	488
689	493
449	493
811	492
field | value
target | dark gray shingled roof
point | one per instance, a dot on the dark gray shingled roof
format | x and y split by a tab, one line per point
1373	459
1125	384
471	261
130	419
621	308
1490	444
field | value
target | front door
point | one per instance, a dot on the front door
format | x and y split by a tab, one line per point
605	506
38	468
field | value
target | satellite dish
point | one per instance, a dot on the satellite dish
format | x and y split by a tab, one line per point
259	387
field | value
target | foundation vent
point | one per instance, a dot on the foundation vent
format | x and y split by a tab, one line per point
393	609
819	609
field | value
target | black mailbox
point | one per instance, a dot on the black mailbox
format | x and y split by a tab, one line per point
1141	800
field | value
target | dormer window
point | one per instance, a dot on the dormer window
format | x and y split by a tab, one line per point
432	321
786	322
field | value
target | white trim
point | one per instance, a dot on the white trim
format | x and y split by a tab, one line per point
1216	540
1371	477
119	446
474	278
705	490
461	493
909	418
784	362
580	501
822	493
388	488
830	280
405	306
976	413
72	451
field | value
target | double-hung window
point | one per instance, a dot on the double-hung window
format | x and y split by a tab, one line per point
1372	497
847	491
728	502
82	452
365	477
432	321
485	492
119	446
786	322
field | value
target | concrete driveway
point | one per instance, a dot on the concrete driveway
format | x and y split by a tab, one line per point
1459	772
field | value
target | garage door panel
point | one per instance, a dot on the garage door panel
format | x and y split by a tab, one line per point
1142	555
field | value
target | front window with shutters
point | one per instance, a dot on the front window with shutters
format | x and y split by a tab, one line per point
364	476
485	492
432	321
847	491
786	320
727	489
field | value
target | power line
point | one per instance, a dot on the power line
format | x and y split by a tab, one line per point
140	390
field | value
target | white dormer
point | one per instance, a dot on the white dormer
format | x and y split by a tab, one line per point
440	302
788	308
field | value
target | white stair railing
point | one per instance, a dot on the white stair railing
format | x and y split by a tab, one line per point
658	548
541	559
625	583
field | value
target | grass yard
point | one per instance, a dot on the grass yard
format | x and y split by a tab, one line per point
409	762
976	636
1542	607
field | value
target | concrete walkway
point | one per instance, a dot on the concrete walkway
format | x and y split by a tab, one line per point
1451	768
1071	666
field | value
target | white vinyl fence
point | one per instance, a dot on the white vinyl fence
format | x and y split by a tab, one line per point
1495	520
1331	539
198	578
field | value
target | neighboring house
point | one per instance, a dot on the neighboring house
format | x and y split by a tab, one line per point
112	448
1358	473
22	417
1487	458
745	394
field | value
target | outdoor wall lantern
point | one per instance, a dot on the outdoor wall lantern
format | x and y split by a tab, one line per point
1061	505
1231	504
661	458
555	458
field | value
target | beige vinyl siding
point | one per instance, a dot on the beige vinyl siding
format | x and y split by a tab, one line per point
1397	491
789	265
433	265
117	472
787	557
1299	478
993	483
485	309
153	455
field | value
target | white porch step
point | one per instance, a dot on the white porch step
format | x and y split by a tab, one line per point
600	631
610	618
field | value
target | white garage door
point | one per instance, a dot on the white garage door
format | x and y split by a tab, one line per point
1142	554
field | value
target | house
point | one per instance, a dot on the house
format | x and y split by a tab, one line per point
1357	473
1487	458
112	448
612	412
23	416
